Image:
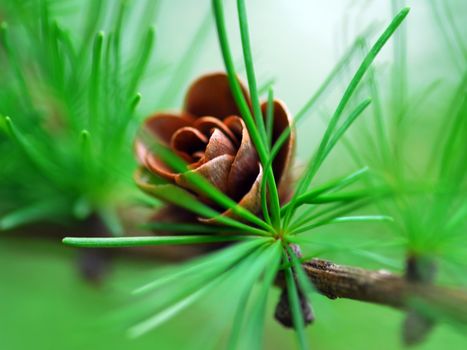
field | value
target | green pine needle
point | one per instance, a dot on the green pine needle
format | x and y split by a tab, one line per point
249	280
240	100
313	166
219	260
297	315
116	242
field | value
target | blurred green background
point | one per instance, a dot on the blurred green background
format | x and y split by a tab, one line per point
44	303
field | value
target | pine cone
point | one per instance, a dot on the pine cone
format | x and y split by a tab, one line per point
210	135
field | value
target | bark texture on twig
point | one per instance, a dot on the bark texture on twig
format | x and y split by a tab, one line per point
381	287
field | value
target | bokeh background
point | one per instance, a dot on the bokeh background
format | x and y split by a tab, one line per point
44	303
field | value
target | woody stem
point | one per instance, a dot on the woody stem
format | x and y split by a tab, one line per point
381	287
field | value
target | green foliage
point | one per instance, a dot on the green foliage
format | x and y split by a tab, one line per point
68	110
275	234
68	117
425	174
418	137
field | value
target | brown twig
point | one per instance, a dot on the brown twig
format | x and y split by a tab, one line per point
381	287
